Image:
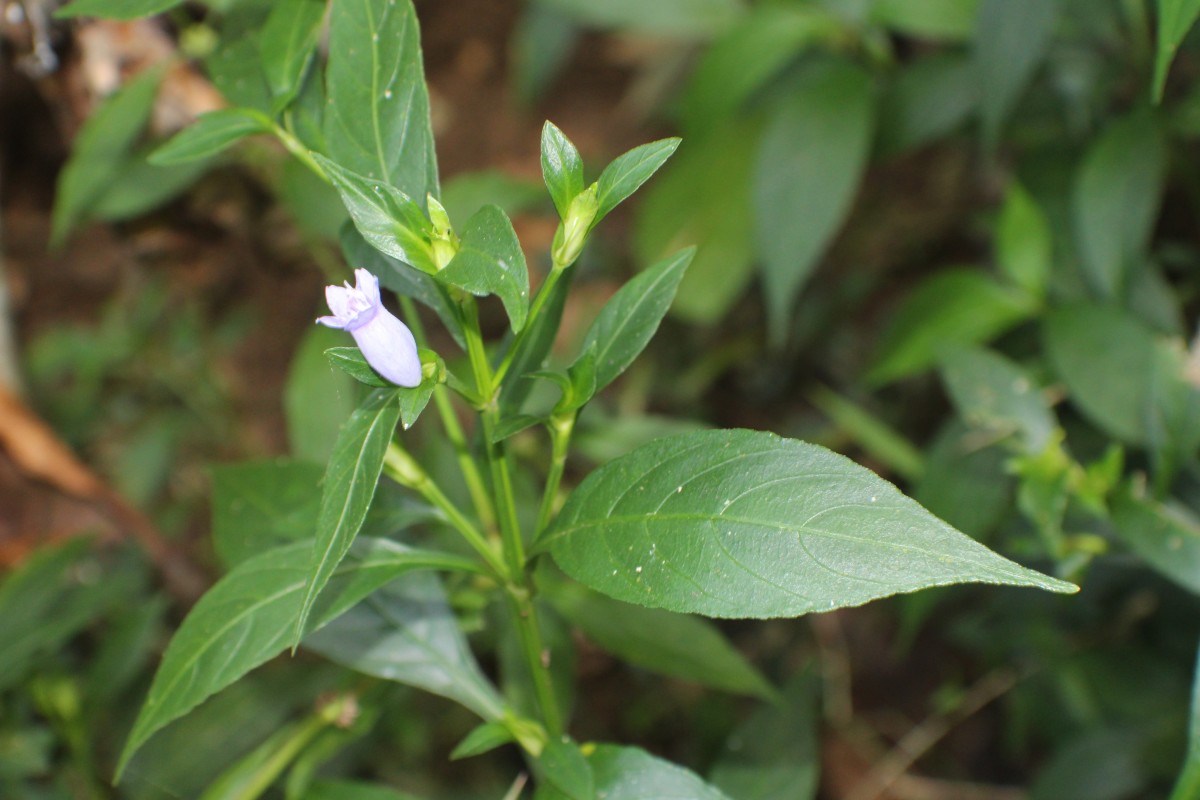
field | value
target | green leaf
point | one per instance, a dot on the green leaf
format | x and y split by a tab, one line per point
1107	360
630	318
377	118
993	393
210	134
235	66
562	167
490	261
1175	19
534	347
351	361
347	489
539	47
1164	535
774	755
743	60
1024	246
115	9
100	150
511	426
1187	786
483	739
37	610
564	767
412	399
401	278
746	524
258	505
677	645
288	40
703	199
629	171
249	616
681	18
407	633
813	154
929	98
954	308
629	773
1011	39
964	484
141	187
255	772
1117	195
952	20
1173	403
317	399
388	219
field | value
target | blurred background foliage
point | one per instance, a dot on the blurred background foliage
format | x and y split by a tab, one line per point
954	239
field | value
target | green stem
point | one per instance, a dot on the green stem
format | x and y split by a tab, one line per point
454	431
402	468
537	657
297	148
544	292
560	440
520	589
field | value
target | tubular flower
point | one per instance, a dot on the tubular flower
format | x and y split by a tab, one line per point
385	341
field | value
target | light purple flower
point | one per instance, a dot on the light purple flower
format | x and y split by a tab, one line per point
385	341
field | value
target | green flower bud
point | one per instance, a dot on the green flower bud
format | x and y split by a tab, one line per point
444	243
573	231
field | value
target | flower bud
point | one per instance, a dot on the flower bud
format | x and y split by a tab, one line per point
573	231
443	242
386	343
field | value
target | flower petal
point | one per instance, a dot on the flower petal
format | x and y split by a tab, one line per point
390	349
338	298
331	322
368	284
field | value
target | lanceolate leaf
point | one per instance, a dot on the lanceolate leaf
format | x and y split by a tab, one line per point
289	38
349	485
812	155
377	118
628	171
1175	19
562	167
100	150
745	58
210	134
1011	37
774	755
248	617
953	308
490	261
387	218
629	319
1117	195
993	393
534	346
629	773
407	633
678	645
259	505
747	524
1166	536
